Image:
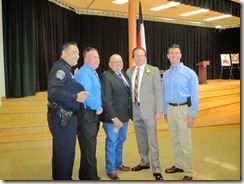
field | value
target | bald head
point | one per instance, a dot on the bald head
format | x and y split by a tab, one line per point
116	63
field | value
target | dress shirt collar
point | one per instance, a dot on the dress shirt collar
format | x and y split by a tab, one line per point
66	64
89	68
142	67
178	67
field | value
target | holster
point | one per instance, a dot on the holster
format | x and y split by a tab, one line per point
189	101
65	115
52	109
55	109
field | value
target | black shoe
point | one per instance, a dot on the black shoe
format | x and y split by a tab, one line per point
158	176
140	167
173	169
99	178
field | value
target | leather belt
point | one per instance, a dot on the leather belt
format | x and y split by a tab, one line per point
89	109
75	112
178	104
60	110
70	112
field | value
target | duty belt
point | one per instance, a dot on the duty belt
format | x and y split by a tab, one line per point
55	109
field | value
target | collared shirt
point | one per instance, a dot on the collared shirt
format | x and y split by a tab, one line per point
140	78
178	84
122	78
89	79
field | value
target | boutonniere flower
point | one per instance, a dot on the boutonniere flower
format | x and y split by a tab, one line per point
148	71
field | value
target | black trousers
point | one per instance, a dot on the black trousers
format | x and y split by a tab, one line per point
64	141
88	126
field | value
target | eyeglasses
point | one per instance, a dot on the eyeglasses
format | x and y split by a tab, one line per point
116	62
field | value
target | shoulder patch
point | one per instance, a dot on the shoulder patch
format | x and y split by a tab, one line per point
60	74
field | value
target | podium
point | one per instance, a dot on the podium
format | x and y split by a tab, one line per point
202	71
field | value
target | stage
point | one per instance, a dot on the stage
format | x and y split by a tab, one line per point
23	119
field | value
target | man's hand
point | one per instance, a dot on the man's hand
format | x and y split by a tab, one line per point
158	116
165	118
190	121
100	111
81	96
117	123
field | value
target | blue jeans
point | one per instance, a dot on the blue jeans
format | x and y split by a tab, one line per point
114	146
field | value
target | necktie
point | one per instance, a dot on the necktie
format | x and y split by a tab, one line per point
136	86
125	84
97	75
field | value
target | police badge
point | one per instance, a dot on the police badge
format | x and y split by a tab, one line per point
60	74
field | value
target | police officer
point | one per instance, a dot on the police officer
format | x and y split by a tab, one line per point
65	96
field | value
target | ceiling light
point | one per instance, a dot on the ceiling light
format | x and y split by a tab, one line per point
218	27
194	12
218	17
120	1
169	5
196	22
167	19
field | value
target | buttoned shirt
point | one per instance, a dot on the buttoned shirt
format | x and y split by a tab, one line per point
89	79
140	78
178	84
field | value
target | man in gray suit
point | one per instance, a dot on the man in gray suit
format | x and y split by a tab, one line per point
117	105
147	109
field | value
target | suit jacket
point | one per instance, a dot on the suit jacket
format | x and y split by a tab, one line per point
116	99
151	93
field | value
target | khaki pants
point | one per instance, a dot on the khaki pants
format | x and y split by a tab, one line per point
180	136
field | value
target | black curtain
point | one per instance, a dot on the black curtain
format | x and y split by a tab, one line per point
34	31
197	44
19	57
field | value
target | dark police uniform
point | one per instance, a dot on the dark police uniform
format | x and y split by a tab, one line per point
62	90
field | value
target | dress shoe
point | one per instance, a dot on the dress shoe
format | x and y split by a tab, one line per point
158	176
123	168
140	167
113	176
187	178
173	169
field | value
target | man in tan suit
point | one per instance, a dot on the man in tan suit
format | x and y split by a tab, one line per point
147	109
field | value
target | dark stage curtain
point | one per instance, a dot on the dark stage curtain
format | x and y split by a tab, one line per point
19	56
35	30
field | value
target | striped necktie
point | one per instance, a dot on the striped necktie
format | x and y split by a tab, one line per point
136	86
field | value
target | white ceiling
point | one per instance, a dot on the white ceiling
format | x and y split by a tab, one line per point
107	8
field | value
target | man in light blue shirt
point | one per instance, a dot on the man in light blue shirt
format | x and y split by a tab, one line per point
181	97
88	121
88	77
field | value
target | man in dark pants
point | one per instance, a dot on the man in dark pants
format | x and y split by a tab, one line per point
88	121
64	98
116	99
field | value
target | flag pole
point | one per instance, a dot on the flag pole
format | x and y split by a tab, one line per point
141	40
132	29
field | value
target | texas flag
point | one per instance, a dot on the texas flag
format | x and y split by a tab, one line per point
141	42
